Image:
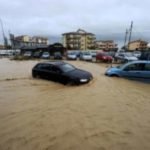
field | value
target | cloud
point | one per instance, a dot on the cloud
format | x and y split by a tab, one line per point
54	17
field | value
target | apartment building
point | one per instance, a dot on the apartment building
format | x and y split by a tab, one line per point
27	41
137	45
106	45
23	38
79	40
40	40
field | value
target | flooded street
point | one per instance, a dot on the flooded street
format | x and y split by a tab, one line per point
106	114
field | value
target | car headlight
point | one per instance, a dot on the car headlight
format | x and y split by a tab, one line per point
83	80
108	71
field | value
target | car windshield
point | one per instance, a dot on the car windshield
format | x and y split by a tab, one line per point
120	66
46	53
87	54
128	55
67	68
71	53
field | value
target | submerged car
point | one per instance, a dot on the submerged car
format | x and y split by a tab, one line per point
45	55
71	56
125	57
27	54
86	56
37	54
61	72
57	55
104	57
136	69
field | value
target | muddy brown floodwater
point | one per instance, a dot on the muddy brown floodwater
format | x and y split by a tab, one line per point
106	114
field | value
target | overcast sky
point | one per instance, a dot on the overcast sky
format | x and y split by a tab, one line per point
51	18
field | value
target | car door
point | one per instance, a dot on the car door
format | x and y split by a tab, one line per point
133	70
56	73
45	71
146	71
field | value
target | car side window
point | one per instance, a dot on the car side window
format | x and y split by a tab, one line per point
45	67
55	69
134	67
147	67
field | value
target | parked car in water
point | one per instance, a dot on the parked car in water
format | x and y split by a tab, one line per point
125	57
45	55
145	55
86	56
57	55
37	54
135	69
71	56
27	54
104	57
137	54
61	72
93	53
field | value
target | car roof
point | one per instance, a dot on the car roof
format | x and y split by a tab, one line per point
56	63
140	61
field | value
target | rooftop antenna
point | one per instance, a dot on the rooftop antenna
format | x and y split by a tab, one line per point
130	33
125	40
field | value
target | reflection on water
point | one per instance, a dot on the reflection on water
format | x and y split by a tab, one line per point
108	113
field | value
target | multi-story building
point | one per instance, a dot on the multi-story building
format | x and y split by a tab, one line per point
137	45
23	38
27	41
106	45
40	40
79	40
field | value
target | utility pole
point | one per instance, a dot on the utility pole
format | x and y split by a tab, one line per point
125	40
130	33
4	38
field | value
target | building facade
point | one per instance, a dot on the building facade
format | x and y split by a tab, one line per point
137	45
40	40
23	38
2	46
106	45
27	41
79	40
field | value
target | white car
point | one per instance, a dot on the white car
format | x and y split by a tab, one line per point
86	56
125	57
45	55
27	54
71	56
137	54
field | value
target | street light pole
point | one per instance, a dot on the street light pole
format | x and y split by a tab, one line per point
2	28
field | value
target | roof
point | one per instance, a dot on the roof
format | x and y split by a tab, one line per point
140	61
79	32
139	41
106	41
56	63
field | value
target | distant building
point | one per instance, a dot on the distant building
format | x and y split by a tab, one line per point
2	46
79	40
23	38
40	40
106	45
25	41
137	45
